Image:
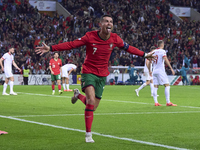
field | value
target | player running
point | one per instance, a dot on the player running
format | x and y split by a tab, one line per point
54	66
149	79
159	74
66	71
7	68
99	46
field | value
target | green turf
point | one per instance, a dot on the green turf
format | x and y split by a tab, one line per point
121	113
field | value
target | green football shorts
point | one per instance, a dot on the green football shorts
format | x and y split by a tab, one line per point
92	80
55	77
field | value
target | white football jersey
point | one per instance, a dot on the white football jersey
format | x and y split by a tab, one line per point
8	60
158	64
146	68
68	67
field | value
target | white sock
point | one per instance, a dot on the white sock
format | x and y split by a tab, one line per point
53	90
59	90
88	133
4	87
67	86
64	86
167	93
155	95
142	86
11	86
152	87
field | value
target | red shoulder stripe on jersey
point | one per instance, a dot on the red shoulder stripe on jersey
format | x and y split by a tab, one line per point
2	58
164	56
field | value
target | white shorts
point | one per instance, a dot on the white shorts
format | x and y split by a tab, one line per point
160	79
65	74
8	74
147	76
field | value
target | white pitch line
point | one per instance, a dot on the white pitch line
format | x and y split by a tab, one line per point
95	133
99	114
104	100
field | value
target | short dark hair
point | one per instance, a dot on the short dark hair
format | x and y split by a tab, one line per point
160	42
55	53
101	19
152	48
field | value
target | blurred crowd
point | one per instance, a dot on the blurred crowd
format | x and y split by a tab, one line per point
186	3
140	23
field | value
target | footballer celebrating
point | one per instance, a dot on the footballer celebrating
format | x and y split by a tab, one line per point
54	66
99	46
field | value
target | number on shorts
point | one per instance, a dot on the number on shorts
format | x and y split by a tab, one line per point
95	49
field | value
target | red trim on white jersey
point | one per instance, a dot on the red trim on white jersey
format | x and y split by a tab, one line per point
9	53
2	58
164	56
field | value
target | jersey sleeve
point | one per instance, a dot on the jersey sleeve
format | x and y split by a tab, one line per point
164	54
70	45
4	57
132	50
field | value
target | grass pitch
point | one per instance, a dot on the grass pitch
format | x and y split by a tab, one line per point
36	120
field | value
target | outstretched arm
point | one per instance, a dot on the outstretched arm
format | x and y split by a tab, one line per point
133	50
168	64
63	46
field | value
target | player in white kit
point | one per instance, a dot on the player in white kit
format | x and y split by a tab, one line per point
7	68
66	71
149	79
159	74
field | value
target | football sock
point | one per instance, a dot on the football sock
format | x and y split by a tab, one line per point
67	86
88	133
89	117
142	86
11	86
59	87
64	86
167	93
155	95
82	98
4	87
151	86
53	87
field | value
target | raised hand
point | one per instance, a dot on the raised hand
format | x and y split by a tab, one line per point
41	50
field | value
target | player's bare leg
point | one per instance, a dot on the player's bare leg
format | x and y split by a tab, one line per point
11	86
53	87
155	95
67	84
63	83
167	95
5	86
59	86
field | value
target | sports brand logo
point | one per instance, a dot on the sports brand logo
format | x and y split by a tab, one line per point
111	45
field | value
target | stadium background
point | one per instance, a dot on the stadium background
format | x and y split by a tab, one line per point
25	24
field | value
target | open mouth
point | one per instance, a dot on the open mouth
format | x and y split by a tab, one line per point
109	28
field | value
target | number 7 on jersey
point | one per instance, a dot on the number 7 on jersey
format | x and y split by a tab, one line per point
95	49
